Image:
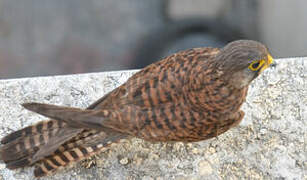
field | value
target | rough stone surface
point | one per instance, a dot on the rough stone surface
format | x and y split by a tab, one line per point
268	144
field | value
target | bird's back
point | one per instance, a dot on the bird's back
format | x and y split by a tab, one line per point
180	98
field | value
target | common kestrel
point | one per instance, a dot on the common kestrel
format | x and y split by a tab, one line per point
189	96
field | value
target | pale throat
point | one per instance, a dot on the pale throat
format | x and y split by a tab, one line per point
242	78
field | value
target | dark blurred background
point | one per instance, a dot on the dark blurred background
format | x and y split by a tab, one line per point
48	37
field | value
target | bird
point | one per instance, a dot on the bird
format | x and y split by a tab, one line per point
192	95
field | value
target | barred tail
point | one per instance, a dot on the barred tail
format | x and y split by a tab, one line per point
75	151
18	146
32	130
50	145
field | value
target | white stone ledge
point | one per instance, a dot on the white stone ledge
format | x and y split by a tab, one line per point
269	143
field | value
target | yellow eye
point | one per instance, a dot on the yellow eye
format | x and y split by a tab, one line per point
255	65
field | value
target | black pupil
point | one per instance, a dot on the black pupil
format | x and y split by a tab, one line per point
255	65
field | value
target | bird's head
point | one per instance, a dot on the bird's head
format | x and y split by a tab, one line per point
242	61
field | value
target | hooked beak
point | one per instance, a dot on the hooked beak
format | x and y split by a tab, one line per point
269	62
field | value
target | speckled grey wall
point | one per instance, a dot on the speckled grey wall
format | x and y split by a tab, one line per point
268	144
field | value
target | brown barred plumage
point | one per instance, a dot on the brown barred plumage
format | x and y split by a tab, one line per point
76	150
189	96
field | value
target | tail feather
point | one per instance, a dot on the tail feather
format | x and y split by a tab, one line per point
21	153
60	159
63	135
23	146
51	147
86	138
26	146
19	163
34	129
